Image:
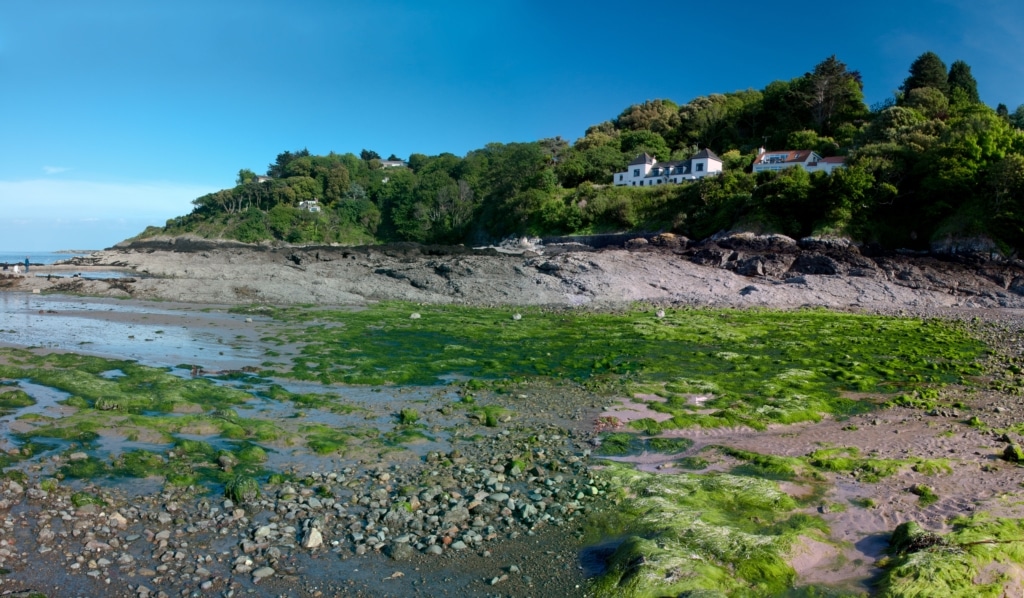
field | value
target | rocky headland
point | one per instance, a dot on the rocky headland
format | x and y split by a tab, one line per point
734	270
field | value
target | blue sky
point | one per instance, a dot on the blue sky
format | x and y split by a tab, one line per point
117	114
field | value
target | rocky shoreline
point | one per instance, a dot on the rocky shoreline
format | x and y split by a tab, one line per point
500	513
396	520
737	270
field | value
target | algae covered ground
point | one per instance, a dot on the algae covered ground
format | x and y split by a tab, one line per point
720	520
755	367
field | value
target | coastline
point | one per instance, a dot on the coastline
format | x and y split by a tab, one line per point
738	272
609	280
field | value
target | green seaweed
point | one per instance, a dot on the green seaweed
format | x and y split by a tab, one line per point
619	443
700	533
752	367
326	440
625	443
14	399
981	557
693	463
408	416
925	495
830	460
80	499
242	489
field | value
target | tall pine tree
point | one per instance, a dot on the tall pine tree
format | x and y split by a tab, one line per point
961	81
927	71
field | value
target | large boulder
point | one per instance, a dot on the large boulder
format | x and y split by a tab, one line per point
816	263
754	243
975	249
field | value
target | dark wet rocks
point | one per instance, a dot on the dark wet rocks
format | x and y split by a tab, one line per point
463	502
454	504
780	258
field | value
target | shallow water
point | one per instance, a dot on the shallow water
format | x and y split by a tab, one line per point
167	336
176	336
91	274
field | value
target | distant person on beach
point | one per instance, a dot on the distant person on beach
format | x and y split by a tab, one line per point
5	266
26	264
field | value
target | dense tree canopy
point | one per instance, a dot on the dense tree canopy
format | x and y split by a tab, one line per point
928	163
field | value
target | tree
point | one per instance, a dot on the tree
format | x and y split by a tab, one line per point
660	116
367	155
634	143
928	101
334	181
927	70
808	139
703	121
277	169
961	80
244	176
1017	118
832	92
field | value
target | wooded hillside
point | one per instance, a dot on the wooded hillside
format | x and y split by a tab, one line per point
932	162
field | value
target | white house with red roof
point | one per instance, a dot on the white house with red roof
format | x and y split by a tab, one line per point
646	171
807	159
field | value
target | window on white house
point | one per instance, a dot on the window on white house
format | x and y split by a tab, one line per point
620	177
636	172
700	167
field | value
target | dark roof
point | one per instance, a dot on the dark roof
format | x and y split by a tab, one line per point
643	158
706	153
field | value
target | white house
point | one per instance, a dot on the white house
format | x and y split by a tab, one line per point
393	164
806	159
310	205
645	171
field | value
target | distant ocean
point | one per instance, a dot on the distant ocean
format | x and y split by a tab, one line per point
38	257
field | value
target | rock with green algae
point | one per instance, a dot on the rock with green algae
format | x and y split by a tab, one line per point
980	558
1013	453
242	489
702	535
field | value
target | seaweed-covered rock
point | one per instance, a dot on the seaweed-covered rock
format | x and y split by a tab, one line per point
695	535
242	489
980	557
1013	453
910	537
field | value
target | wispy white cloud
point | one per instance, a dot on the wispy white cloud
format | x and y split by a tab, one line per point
54	169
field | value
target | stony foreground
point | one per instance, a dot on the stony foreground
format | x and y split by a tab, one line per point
498	520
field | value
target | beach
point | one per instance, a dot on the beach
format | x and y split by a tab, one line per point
150	539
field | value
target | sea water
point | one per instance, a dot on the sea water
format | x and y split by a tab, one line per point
43	258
